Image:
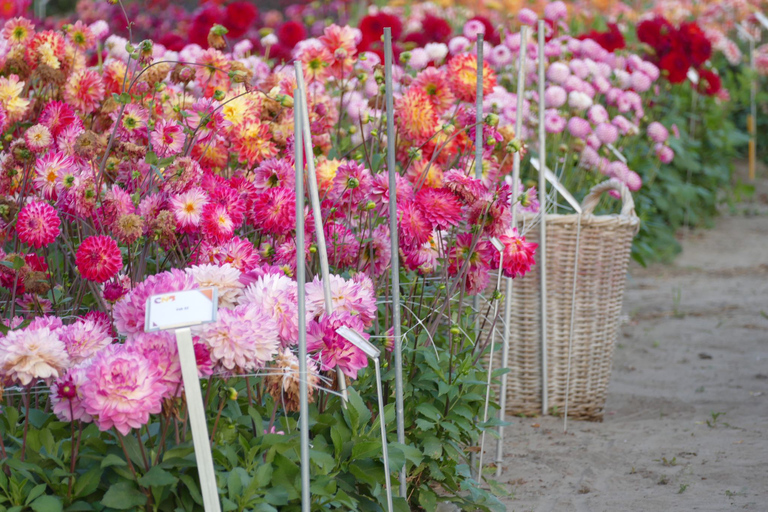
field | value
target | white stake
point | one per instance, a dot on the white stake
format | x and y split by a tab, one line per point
314	197
521	76
499	247
394	252
300	281
543	223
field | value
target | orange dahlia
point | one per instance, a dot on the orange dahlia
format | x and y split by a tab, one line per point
435	84
462	75
416	118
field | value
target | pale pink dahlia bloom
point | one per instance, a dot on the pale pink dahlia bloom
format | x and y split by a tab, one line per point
354	296
277	296
30	355
242	339
84	339
225	278
160	349
122	389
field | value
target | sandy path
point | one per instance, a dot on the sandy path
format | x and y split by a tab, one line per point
696	343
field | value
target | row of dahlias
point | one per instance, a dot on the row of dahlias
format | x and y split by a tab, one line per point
137	168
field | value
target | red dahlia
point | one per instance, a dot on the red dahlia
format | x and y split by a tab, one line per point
98	258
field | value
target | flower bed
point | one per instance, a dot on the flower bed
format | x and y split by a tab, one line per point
132	168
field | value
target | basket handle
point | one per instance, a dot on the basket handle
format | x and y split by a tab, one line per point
590	202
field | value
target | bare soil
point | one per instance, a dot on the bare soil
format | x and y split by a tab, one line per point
686	423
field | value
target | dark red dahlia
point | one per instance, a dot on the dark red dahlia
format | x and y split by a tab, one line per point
202	22
675	65
239	17
709	82
435	29
373	26
290	33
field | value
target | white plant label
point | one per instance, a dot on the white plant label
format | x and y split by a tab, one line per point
181	309
762	19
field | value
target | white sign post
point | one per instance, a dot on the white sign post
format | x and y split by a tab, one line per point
180	311
357	340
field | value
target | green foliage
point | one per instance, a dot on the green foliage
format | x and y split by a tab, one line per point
444	396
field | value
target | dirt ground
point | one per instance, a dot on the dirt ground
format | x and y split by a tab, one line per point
686	423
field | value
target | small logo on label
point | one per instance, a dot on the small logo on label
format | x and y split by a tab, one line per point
160	300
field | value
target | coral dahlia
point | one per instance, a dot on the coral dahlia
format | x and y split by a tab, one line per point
38	224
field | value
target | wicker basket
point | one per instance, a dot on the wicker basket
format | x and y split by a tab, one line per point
603	257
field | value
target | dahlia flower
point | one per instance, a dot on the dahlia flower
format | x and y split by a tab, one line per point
414	226
416	118
333	349
38	224
225	278
284	382
355	296
462	73
242	339
161	350
274	211
351	184
38	138
518	254
276	295
98	258
84	339
167	138
440	207
32	354
84	90
122	389
657	132
67	396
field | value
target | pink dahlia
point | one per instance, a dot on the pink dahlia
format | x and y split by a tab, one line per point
32	354
607	133
57	116
38	138
380	189
274	211
277	296
98	258
167	138
579	127
553	121
467	189
242	339
84	339
122	389
518	254
216	222
274	172
440	207
414	226
187	208
657	132
355	296
48	169
38	224
160	349
84	90
664	153
129	311
239	253
334	350
422	258
351	184
378	252
67	396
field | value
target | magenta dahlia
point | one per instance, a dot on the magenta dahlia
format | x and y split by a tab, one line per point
98	258
38	224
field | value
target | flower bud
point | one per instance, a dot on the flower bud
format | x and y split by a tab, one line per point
492	120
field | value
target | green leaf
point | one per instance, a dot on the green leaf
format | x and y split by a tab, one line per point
112	460
87	483
36	491
427	498
151	158
429	410
432	447
79	506
191	486
366	450
123	496
234	484
157	477
47	504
